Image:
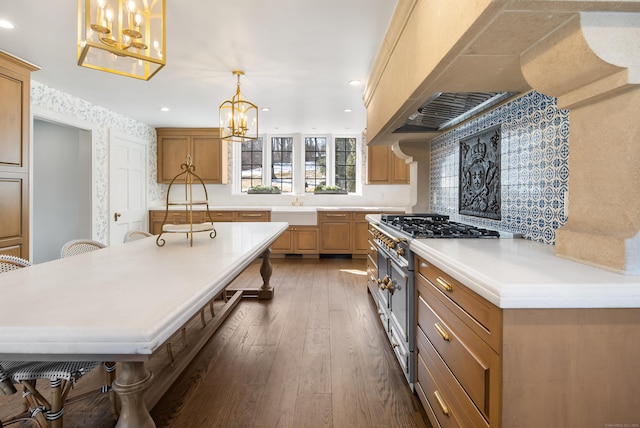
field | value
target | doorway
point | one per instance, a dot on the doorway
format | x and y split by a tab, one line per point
62	187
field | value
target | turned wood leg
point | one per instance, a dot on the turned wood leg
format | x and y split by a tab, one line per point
110	377
130	384
266	291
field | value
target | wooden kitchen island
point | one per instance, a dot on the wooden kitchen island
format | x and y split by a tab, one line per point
124	303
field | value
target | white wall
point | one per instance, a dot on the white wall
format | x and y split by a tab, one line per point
64	108
61	188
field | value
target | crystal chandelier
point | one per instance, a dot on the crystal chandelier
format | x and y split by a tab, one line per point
238	117
125	37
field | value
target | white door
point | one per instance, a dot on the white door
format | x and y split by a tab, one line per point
127	186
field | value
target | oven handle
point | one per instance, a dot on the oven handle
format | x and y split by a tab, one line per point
393	238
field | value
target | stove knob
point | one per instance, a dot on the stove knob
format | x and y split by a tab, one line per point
400	252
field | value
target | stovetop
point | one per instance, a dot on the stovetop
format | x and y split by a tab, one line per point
429	225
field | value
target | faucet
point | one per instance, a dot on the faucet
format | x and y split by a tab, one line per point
297	202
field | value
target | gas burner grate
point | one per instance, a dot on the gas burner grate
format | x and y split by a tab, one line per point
430	225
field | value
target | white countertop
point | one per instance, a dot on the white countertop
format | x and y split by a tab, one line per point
122	302
157	207
519	273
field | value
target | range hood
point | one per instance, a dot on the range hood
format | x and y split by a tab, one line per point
444	110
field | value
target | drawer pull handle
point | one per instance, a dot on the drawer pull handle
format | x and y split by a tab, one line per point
442	332
441	403
336	215
444	284
250	215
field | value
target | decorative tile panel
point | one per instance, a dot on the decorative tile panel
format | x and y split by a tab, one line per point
535	167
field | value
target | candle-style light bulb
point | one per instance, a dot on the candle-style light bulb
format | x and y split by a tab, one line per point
108	14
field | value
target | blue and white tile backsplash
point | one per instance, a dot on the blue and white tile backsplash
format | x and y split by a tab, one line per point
535	170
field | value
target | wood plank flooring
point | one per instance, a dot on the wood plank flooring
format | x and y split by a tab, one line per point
314	356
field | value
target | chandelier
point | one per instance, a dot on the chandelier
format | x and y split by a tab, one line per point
238	117
125	37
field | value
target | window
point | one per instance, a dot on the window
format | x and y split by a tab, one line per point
315	162
346	163
251	164
297	163
282	163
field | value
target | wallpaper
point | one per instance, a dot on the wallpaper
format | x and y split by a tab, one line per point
67	105
535	170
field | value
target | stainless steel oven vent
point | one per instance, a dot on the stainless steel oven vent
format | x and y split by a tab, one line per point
443	110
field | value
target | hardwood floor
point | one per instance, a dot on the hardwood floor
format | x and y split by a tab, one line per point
314	356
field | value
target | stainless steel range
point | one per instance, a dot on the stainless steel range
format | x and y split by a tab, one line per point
394	293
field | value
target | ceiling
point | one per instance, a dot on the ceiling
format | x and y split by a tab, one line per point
298	57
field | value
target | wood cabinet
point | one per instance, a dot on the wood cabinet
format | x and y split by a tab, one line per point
384	167
360	233
208	153
181	217
173	217
335	232
344	232
15	78
458	369
297	240
482	366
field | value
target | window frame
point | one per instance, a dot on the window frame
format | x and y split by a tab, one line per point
298	156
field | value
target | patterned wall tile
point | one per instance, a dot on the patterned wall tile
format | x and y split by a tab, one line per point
535	168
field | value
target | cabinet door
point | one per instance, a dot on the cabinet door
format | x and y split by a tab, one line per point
378	164
335	232
172	152
361	237
400	170
206	151
305	240
284	243
14	155
384	167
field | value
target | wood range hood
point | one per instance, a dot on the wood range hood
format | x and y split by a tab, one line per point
584	53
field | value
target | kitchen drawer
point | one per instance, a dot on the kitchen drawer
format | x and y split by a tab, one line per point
399	346
372	251
372	275
471	360
334	215
252	216
221	215
444	396
484	318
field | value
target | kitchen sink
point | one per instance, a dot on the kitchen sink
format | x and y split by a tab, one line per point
295	215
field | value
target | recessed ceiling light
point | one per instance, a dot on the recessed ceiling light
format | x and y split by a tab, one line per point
265	109
164	109
348	110
354	82
6	24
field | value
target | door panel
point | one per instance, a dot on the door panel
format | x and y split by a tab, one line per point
127	186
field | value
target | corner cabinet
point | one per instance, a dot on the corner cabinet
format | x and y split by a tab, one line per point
384	167
208	153
15	78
